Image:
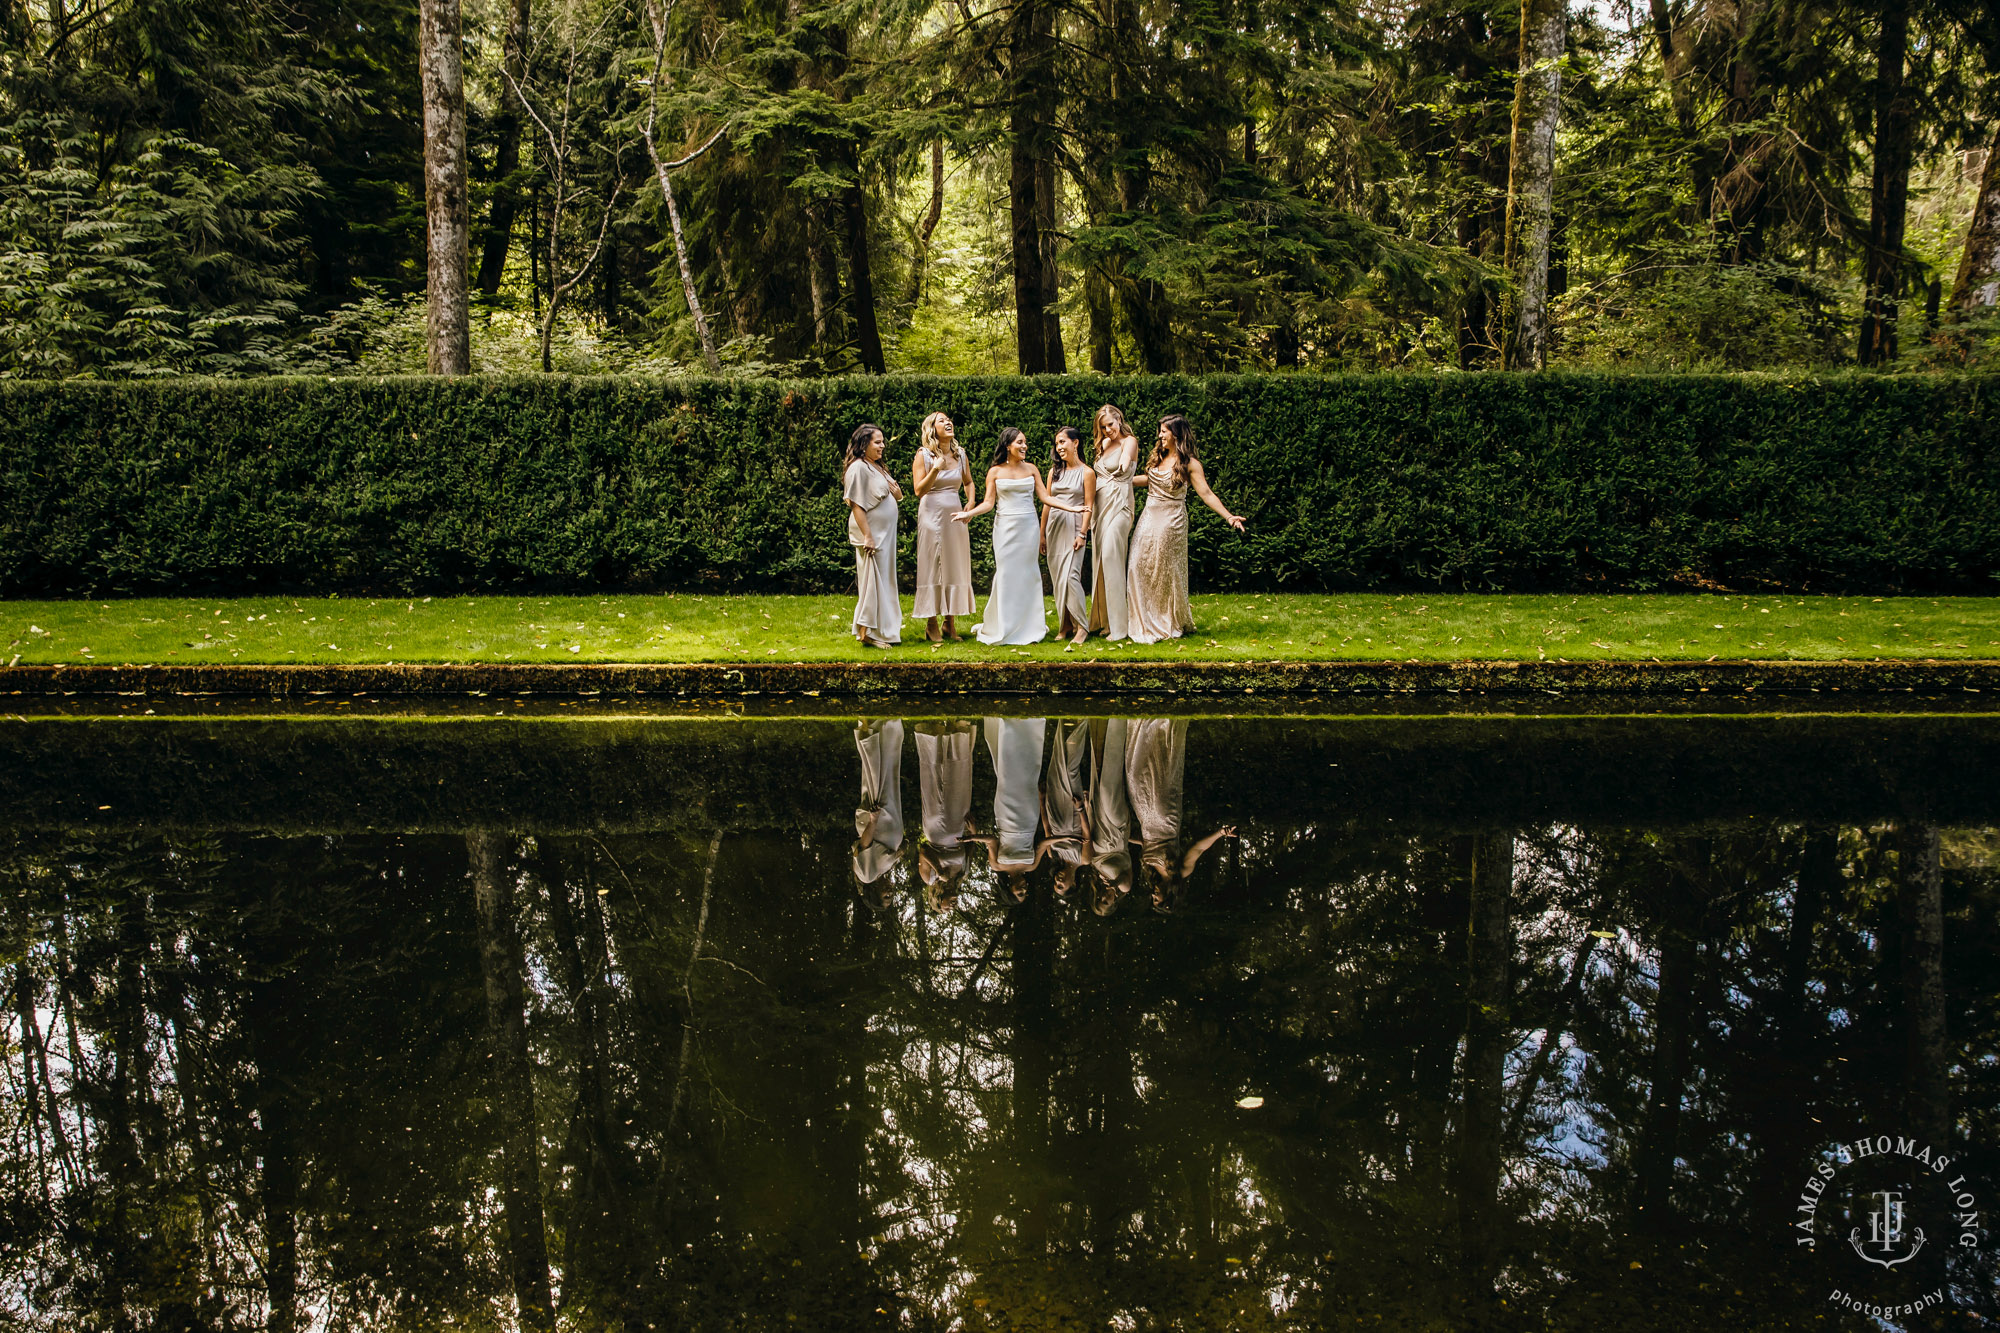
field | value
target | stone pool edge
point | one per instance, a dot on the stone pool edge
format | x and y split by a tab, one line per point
723	679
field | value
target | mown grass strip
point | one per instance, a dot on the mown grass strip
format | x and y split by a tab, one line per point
686	627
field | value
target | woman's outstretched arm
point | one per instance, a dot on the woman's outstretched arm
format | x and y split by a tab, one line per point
1198	478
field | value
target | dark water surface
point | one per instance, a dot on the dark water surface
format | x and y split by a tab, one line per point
1101	1022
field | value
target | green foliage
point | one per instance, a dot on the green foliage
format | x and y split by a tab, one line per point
1560	481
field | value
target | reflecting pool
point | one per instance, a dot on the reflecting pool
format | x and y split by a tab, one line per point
1120	1021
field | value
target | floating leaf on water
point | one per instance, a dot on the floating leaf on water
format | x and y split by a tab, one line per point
1249	1103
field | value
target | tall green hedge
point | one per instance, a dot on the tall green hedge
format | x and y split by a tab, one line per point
1478	481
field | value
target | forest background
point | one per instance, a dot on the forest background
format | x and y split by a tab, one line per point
239	187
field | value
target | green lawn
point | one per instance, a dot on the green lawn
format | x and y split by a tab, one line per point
686	627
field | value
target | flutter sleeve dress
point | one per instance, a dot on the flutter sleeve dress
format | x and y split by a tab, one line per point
878	605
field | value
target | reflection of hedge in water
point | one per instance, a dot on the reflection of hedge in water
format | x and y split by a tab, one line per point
857	1126
299	775
1482	481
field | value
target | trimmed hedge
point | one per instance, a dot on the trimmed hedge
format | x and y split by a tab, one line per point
1479	481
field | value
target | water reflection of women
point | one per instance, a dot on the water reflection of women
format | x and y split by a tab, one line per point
1015	744
1155	775
878	820
1110	813
944	778
1065	801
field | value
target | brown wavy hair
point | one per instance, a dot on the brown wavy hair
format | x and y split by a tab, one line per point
1184	454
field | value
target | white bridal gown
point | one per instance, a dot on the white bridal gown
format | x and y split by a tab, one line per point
1016	746
1014	610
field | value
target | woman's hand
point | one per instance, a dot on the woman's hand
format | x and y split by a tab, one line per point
1235	521
1077	545
962	516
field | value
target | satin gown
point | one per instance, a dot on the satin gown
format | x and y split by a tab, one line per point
1015	744
1155	775
878	604
881	747
1065	560
944	548
1014	609
944	780
1111	533
1110	806
1156	580
1063	792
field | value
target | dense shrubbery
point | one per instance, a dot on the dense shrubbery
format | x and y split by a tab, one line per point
1484	481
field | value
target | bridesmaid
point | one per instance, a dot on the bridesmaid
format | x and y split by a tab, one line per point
1066	801
871	495
944	778
1016	746
1155	775
1156	581
1117	458
938	475
878	819
1014	611
1063	535
1110	813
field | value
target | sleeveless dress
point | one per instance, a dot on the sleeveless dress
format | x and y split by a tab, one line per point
1063	792
1066	562
878	605
1110	532
1015	744
1110	805
1014	610
1155	775
944	779
944	548
1156	581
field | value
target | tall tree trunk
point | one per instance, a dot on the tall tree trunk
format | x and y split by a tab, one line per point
1922	912
1030	329
1489	946
1787	1128
1889	189
447	223
861	282
1034	1040
269	1018
507	156
1978	284
1531	179
1031	183
822	281
1097	302
920	262
1673	1049
1051	283
513	1086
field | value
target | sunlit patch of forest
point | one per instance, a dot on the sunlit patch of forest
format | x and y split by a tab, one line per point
1113	185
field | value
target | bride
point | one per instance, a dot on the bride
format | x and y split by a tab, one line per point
1014	609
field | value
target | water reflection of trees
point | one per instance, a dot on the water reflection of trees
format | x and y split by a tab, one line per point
1548	1075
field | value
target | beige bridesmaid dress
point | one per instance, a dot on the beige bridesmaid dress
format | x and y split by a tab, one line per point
944	548
1065	560
1111	531
1156	581
878	604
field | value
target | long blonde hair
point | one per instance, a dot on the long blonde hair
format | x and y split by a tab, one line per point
930	436
1119	431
